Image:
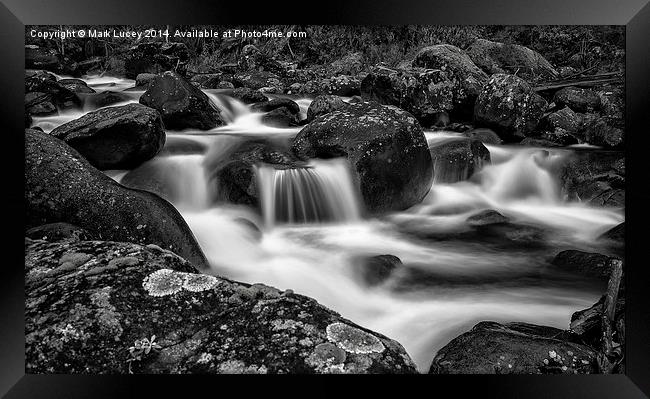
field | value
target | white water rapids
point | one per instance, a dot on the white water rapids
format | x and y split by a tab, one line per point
443	287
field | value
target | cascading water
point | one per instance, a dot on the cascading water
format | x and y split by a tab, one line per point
320	192
441	289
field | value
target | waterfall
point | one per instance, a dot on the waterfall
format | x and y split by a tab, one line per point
321	192
231	109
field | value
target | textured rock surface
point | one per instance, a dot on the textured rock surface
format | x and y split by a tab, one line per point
586	263
61	186
386	149
494	57
578	99
88	302
595	177
115	137
323	105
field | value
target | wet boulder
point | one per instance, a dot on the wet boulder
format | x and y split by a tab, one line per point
374	270
247	96
486	217
181	104
422	92
586	263
267	106
458	160
509	105
494	57
76	86
594	177
81	318
155	58
281	117
143	79
61	186
485	136
115	137
578	99
386	149
514	348
324	104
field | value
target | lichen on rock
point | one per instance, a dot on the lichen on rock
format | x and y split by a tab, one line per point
163	282
352	339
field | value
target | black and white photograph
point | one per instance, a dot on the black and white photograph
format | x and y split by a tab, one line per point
325	199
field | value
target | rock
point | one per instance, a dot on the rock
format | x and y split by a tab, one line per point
267	106
494	57
294	88
115	137
537	142
251	58
486	217
90	66
232	174
248	96
257	80
156	58
181	104
513	348
486	136
374	270
422	92
456	63
103	99
597	131
58	232
323	105
578	99
562	127
588	264
39	104
587	324
616	234
350	64
43	94
510	106
385	147
223	85
280	117
76	85
594	177
178	145
61	186
458	160
80	318
342	85
143	80
42	58
613	106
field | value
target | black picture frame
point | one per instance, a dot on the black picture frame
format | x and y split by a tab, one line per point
634	14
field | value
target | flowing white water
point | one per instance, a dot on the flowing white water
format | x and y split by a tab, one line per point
443	287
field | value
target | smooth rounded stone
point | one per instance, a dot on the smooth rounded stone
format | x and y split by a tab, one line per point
58	232
355	99
104	99
486	136
486	217
578	99
455	61
181	104
597	131
61	186
156	58
247	96
255	328
257	80
280	117
324	104
422	92
155	176
42	58
514	348
495	57
175	145
385	146
586	263
375	270
509	105
143	79
232	174
594	177
115	137
458	160
276	103
76	85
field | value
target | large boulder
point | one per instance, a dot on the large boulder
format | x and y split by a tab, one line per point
562	127
181	104
425	93
509	105
324	104
156	57
590	264
385	147
76	86
115	137
494	57
279	112
458	160
597	131
61	186
578	99
594	177
514	348
117	308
